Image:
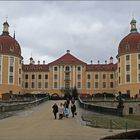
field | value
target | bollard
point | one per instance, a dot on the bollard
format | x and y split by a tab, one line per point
126	125
110	126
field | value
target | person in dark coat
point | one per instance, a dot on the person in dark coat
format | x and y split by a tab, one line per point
73	109
55	110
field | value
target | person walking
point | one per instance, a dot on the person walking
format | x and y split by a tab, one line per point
55	110
66	109
73	109
61	111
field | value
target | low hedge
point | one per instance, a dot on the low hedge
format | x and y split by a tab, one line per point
126	135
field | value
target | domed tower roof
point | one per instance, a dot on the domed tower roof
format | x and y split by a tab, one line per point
8	44
131	42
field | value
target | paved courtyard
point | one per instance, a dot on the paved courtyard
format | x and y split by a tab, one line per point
38	124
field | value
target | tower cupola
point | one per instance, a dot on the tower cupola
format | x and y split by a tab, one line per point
5	28
133	26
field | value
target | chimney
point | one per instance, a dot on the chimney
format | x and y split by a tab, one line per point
91	61
38	62
98	61
31	60
105	61
111	60
44	62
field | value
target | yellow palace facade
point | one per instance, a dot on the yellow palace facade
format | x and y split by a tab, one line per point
68	71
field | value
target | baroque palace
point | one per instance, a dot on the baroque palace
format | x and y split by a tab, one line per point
68	72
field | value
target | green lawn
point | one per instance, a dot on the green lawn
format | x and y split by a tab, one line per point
105	121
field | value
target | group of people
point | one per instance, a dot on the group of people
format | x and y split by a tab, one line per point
63	110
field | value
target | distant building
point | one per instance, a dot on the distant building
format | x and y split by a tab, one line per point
67	72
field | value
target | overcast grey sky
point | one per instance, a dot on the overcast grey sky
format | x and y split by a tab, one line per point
91	30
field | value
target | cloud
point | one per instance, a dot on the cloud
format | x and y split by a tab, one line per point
90	29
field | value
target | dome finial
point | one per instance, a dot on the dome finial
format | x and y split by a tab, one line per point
6	27
133	26
14	35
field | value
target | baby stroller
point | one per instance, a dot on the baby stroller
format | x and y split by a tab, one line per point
66	112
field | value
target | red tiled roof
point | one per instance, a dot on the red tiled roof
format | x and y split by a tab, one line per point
129	44
67	59
101	67
35	68
6	42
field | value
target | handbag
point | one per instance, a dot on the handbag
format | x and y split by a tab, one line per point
75	113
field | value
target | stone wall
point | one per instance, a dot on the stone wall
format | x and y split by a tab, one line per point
131	107
20	106
100	109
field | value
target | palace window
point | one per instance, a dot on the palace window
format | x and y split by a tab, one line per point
19	71
55	68
119	69
39	76
26	84
26	76
46	84
0	69
88	76
32	85
139	77
119	80
11	69
88	84
127	57
104	76
96	76
127	77
111	76
119	60
79	76
55	84
19	81
127	67
104	84
67	68
139	66
33	76
79	85
19	61
11	79
39	84
111	85
67	75
55	76
79	68
96	84
139	56
46	76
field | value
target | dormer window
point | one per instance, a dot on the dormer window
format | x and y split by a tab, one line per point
139	46
12	48
0	47
127	47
